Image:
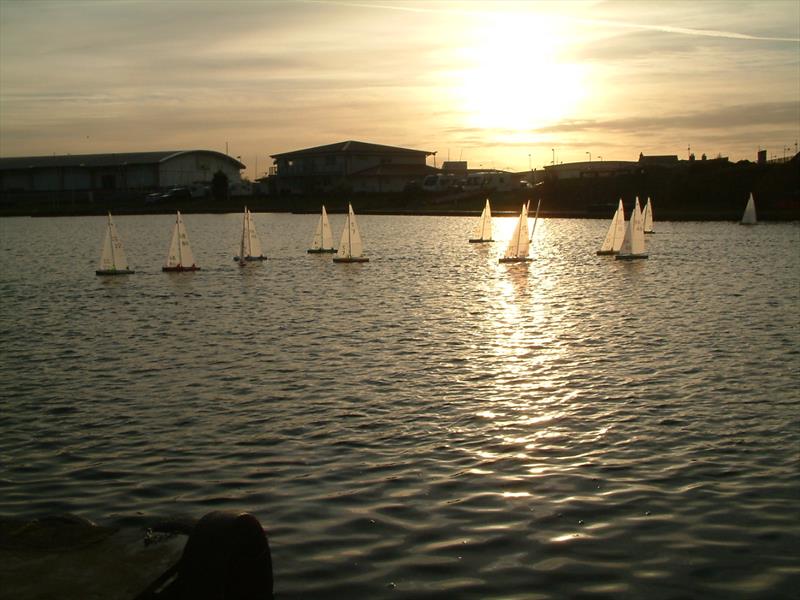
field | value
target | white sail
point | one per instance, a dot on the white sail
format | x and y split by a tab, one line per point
749	216
112	256
648	217
535	217
519	243
633	244
483	230
350	245
323	238
180	252
616	232
243	246
327	236
253	243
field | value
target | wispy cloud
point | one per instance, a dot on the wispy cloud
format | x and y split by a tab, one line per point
748	115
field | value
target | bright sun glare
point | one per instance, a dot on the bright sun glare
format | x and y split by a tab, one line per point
512	78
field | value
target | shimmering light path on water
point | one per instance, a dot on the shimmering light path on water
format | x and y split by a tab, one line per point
432	423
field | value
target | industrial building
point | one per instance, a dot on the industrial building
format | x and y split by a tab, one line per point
124	172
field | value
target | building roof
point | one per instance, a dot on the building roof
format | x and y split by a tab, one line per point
101	160
351	147
598	165
658	159
455	165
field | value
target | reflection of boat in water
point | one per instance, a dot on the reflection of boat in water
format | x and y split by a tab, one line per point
112	257
483	231
615	234
323	238
350	245
519	244
250	245
633	244
179	256
749	215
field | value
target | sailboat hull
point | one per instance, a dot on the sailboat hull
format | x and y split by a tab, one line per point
115	272
480	241
353	259
250	258
516	259
630	256
179	269
606	253
321	250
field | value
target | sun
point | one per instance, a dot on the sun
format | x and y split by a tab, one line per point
511	77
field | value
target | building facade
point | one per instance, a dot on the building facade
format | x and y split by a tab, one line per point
115	172
351	165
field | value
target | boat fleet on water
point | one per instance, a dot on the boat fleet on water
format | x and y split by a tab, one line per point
623	241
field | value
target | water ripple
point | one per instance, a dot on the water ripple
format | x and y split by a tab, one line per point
432	424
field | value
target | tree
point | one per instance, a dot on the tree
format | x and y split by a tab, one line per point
219	186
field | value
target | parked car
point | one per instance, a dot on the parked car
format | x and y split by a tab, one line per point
440	183
177	193
172	194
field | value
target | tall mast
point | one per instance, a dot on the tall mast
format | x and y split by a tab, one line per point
180	240
349	229
111	239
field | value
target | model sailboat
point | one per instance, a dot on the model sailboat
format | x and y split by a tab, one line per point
648	217
179	256
112	256
519	244
633	244
250	245
616	233
323	239
350	246
749	216
483	231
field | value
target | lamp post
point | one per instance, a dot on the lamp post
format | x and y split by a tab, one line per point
590	156
600	157
554	156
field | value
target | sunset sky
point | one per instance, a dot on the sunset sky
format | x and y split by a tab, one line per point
499	84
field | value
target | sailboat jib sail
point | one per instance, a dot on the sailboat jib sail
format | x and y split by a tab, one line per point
351	248
648	217
633	243
616	233
323	238
180	256
483	230
535	216
749	215
113	260
519	244
250	245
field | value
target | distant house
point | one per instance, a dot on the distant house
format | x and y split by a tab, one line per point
351	165
459	167
597	168
665	160
115	172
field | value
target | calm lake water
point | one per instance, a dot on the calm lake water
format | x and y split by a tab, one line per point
431	424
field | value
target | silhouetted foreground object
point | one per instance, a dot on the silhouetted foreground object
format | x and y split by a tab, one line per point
226	557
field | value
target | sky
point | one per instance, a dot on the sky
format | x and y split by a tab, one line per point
505	85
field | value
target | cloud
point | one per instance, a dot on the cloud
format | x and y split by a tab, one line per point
747	115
